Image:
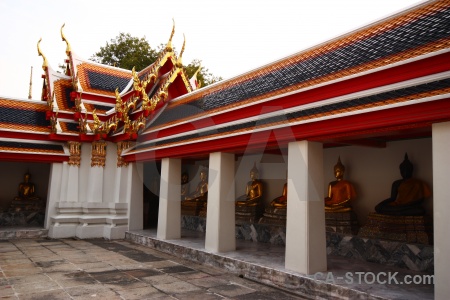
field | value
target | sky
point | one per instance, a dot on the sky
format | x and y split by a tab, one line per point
230	37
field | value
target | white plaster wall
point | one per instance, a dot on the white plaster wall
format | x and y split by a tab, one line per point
109	172
272	172
12	173
193	170
372	170
54	191
85	166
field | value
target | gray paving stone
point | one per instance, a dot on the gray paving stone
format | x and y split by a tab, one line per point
176	287
231	290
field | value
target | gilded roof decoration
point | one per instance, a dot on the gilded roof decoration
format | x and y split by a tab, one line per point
63	37
45	62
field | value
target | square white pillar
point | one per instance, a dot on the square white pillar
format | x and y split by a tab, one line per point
169	215
305	226
220	218
54	191
133	194
441	209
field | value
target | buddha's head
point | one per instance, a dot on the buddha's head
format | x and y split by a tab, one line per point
339	169
27	177
406	168
184	177
203	174
254	173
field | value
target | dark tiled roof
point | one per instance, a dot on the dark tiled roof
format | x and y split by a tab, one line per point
19	116
324	109
32	146
63	88
72	126
106	82
426	29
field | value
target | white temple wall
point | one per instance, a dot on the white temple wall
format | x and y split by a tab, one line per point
12	174
193	170
109	172
54	192
85	166
272	172
372	170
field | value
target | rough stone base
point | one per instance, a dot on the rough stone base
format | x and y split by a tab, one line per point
22	218
342	222
408	229
397	254
22	233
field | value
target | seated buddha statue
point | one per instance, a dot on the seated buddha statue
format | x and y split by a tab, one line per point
407	194
253	191
184	185
201	192
340	191
26	189
280	202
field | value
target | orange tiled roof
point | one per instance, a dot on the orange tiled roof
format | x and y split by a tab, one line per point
102	80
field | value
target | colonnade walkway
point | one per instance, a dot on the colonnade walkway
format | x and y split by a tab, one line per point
345	278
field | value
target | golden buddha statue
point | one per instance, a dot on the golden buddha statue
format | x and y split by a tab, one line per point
253	191
280	202
201	192
407	194
26	189
340	191
184	185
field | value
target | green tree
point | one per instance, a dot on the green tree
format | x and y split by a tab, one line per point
204	77
127	52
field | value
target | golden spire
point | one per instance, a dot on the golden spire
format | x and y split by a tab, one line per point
180	60
45	63
169	43
68	48
31	83
198	70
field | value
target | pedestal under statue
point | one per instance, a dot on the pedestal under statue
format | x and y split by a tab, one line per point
275	213
248	206
339	216
194	202
402	216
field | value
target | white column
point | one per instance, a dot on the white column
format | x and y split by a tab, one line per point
72	183
54	190
220	218
65	182
95	182
169	215
441	209
71	171
305	226
134	195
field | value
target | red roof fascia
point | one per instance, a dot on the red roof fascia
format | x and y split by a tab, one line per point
25	135
24	157
425	67
435	111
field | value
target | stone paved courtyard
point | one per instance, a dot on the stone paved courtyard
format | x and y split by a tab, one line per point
99	269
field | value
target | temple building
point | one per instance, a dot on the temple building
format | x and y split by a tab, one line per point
107	147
